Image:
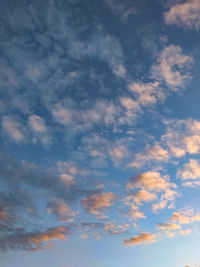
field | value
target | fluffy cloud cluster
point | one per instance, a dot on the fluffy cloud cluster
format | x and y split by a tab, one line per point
99	202
156	153
182	136
150	186
34	240
171	67
184	14
185	217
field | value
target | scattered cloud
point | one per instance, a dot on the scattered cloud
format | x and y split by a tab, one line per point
171	67
33	241
151	184
59	208
185	217
141	238
13	128
146	93
155	153
190	171
99	202
186	14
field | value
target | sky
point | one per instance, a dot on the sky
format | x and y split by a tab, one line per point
99	133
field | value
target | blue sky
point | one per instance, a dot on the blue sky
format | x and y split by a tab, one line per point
100	133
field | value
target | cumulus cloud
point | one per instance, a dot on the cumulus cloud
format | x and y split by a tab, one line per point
144	196
150	181
99	202
146	93
33	240
185	216
185	14
141	238
182	136
60	209
13	128
152	185
191	170
171	67
155	153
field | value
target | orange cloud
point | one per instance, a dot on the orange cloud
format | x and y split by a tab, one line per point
144	196
168	226
59	208
142	238
53	233
185	217
96	203
151	181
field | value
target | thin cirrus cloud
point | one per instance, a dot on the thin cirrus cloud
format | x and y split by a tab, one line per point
184	14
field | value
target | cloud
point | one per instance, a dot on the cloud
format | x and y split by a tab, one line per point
144	196
185	217
122	9
67	179
185	232
168	226
120	71
39	129
115	229
131	106
151	181
33	241
153	154
182	136
191	170
141	238
134	212
62	114
13	128
59	208
146	93
168	195
117	152
171	67
99	202
185	14
151	185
